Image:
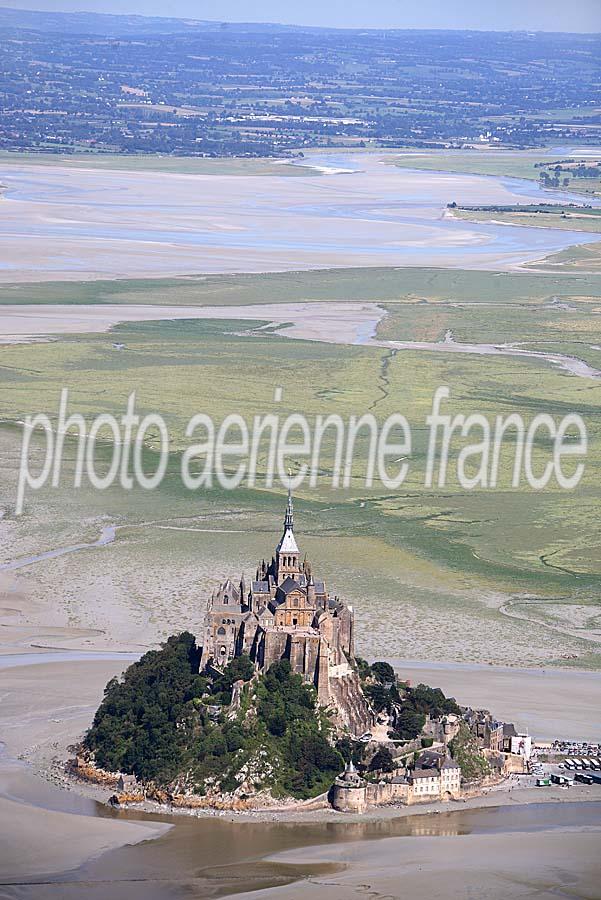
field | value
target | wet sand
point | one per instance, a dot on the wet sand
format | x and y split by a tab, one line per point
41	842
476	866
46	706
86	223
336	322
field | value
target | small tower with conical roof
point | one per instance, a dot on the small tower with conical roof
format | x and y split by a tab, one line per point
349	793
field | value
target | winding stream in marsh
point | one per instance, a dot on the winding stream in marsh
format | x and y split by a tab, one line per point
335	322
107	536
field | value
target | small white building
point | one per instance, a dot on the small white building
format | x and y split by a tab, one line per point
425	784
450	779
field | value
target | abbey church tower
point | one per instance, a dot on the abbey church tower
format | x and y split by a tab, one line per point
287	554
288	614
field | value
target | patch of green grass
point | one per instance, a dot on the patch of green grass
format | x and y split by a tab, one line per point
589	661
583	257
519	164
555	323
370	284
473	162
568	221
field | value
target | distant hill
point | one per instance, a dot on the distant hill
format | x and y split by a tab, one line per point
196	88
129	25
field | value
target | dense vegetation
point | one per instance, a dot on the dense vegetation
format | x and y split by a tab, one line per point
166	723
549	209
136	85
286	716
559	174
465	751
138	726
406	706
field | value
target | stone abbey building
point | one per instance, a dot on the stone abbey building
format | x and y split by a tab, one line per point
286	613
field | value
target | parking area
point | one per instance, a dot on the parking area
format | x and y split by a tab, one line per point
576	748
572	770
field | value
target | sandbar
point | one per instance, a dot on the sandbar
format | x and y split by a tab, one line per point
532	865
64	223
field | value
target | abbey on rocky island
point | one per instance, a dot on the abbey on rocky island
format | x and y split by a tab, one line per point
288	614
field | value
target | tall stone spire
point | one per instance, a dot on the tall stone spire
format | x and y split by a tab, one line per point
289	517
287	552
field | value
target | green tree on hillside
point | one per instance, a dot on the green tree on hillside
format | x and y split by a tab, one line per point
382	761
383	672
140	726
154	723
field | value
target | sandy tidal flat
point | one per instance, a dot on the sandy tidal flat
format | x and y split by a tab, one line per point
48	700
340	322
550	703
42	842
473	867
45	707
61	223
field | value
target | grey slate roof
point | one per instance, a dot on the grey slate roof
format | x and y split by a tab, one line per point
260	587
264	611
429	759
289	585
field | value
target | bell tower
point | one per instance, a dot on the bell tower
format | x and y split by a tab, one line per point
287	553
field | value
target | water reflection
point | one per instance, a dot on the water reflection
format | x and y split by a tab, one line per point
212	857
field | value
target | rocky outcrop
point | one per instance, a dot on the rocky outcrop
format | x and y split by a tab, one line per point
83	767
351	710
